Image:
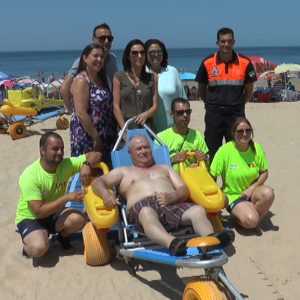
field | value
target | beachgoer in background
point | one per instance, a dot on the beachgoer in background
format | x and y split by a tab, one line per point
93	127
156	198
194	93
244	169
102	36
278	88
169	83
51	78
290	86
187	91
41	76
134	90
225	85
41	209
180	138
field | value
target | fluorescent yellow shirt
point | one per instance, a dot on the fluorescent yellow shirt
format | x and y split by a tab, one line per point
37	184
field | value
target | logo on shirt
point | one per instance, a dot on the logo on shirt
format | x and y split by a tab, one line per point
215	72
234	167
252	74
252	165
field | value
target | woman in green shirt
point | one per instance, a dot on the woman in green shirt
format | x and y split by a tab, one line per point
244	169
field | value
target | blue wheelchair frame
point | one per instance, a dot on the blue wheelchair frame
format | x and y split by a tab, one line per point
137	246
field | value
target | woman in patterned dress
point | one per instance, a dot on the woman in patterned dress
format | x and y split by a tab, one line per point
93	127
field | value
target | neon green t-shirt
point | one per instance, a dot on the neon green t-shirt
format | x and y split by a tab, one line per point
178	143
37	184
238	169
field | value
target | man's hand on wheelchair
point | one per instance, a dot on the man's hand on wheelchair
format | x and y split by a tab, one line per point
110	201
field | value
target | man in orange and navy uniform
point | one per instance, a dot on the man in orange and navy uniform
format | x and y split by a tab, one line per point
225	85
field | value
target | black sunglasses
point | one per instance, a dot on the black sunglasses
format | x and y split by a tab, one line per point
102	38
247	131
154	53
181	112
136	53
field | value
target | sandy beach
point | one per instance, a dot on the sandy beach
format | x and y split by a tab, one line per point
262	267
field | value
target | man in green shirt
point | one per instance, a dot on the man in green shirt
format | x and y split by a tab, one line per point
41	208
181	139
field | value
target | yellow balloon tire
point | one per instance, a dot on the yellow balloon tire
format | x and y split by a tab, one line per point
3	126
62	123
203	290
17	130
96	249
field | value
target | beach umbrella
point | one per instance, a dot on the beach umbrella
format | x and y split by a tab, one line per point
261	64
269	75
3	75
285	68
187	76
8	83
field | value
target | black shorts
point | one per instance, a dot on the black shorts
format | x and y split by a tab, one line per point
235	203
27	226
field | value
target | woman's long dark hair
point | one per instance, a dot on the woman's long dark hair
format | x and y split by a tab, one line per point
237	122
82	65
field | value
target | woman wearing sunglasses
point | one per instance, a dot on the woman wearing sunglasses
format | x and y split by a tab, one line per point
169	83
244	169
134	90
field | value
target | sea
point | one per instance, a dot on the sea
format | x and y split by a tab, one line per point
29	63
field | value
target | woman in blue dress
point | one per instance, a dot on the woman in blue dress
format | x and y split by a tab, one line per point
93	127
169	83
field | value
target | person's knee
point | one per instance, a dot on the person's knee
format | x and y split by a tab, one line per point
250	220
75	221
146	214
268	195
37	248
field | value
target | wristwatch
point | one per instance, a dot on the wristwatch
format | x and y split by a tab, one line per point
87	163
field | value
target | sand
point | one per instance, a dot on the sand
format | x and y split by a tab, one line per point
262	267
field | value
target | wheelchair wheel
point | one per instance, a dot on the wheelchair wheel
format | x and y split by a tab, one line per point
96	250
17	130
62	123
203	290
3	126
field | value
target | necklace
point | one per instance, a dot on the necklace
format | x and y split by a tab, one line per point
135	80
95	80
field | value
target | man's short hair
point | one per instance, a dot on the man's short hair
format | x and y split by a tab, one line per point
44	138
135	137
179	100
103	25
223	31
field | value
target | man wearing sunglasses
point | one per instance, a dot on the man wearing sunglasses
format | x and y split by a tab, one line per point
180	138
102	36
225	85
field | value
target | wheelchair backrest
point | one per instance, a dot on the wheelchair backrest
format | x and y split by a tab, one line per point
122	158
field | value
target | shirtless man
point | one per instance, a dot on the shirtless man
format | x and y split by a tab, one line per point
156	198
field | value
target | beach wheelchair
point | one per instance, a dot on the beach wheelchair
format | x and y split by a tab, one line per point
29	105
134	245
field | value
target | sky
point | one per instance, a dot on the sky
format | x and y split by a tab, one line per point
68	24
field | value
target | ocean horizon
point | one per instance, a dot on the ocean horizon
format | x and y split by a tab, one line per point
58	62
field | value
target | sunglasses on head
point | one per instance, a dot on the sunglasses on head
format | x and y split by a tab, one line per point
136	53
247	131
155	53
182	111
102	38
